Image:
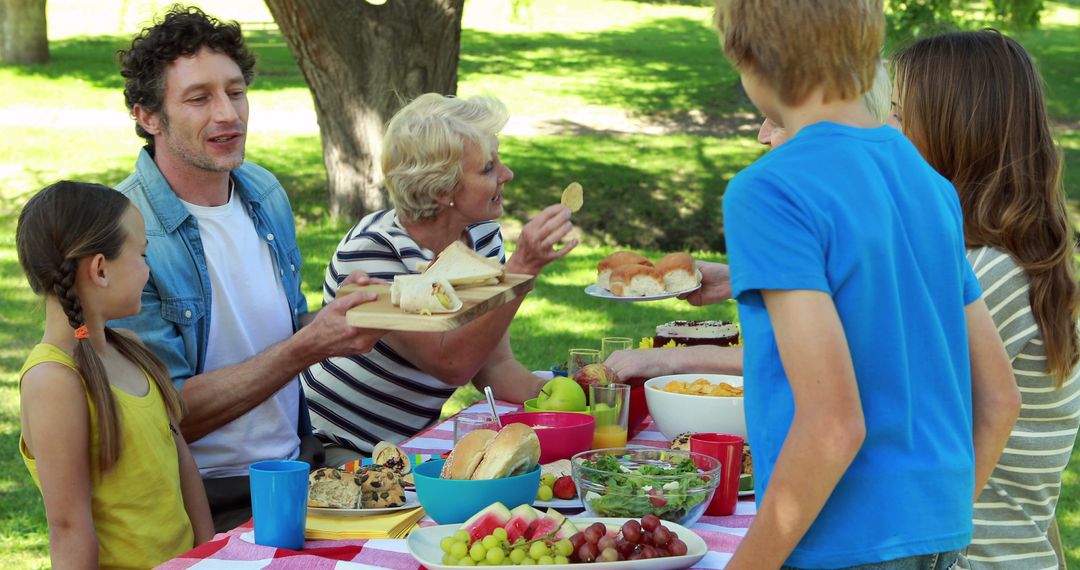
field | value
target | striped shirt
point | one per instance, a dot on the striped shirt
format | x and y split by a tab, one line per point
360	400
1017	505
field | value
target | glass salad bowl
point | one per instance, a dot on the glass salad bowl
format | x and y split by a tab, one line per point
633	482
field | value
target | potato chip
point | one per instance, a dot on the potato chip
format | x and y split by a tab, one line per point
573	197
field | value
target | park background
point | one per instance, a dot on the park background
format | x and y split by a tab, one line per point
631	98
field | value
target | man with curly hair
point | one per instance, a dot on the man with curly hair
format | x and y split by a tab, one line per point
223	307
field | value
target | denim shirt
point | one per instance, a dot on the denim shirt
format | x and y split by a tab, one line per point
174	321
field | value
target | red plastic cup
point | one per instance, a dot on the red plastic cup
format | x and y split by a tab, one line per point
728	449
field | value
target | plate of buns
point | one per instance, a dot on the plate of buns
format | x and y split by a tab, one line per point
629	276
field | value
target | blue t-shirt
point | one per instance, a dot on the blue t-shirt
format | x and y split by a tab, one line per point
858	214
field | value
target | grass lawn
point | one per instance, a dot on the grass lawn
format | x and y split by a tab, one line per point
578	72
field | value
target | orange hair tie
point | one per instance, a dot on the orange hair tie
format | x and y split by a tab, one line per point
82	333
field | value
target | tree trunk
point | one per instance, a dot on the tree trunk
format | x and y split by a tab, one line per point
24	37
362	62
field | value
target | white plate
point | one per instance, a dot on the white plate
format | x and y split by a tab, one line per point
411	502
597	291
423	544
574	503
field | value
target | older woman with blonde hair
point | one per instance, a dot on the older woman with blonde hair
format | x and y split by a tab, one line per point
445	178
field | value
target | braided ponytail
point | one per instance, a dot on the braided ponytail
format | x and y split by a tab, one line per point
92	370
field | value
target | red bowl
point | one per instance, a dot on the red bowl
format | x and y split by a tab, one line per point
561	434
639	410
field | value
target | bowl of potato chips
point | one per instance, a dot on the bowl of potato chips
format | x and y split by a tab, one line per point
696	403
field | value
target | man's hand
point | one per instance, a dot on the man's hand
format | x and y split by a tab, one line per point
328	334
715	284
538	237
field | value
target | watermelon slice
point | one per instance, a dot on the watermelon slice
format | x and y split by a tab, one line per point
520	519
547	523
483	523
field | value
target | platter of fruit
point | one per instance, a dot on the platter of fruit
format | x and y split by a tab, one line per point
557	491
502	538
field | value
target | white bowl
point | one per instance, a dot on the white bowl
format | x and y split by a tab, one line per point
679	413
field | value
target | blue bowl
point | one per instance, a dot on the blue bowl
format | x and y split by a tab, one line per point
450	501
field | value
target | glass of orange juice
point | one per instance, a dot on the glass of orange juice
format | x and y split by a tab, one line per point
610	405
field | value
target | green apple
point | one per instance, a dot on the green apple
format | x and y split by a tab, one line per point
561	394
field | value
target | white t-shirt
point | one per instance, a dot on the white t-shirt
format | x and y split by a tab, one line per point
246	318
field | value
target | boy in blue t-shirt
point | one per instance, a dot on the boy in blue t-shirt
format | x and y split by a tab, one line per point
878	395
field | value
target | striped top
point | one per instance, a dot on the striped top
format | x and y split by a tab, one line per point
1017	505
360	400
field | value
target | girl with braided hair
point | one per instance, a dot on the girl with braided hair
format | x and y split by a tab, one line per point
99	411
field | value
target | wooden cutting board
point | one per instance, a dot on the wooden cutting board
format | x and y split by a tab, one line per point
381	314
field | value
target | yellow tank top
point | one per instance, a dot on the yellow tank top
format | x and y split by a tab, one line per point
137	505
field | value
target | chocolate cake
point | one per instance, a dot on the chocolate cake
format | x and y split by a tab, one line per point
693	333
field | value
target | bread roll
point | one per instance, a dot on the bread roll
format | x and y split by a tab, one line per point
678	271
609	263
467	454
514	451
334	489
636	281
389	455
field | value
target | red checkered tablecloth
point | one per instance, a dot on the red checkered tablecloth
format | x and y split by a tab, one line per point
235	550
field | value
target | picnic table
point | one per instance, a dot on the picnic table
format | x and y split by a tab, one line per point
236	549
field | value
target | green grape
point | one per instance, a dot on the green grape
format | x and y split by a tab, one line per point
545	493
449	560
560	559
545	561
446	543
564	547
490	541
528	562
462	536
517	555
499	533
459	550
547	479
466	562
477	551
537	550
495	556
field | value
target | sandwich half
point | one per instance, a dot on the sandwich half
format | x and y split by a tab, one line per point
462	266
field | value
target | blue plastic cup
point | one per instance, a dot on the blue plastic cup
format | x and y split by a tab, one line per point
279	502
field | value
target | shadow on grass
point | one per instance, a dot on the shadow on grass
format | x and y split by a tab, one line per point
662	70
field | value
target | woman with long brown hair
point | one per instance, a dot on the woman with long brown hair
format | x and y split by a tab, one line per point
973	104
98	409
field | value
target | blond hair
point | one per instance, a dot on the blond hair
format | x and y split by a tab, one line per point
424	148
796	46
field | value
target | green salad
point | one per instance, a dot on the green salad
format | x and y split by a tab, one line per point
647	489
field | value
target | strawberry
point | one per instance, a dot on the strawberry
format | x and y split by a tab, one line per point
564	487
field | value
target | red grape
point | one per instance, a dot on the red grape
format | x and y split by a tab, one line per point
648	551
577	540
661	536
631	531
624	547
646	537
592	536
587	552
677	547
650	522
605	543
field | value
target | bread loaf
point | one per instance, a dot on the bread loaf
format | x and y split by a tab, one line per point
636	281
609	263
678	271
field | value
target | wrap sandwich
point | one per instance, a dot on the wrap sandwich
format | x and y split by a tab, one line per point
424	294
